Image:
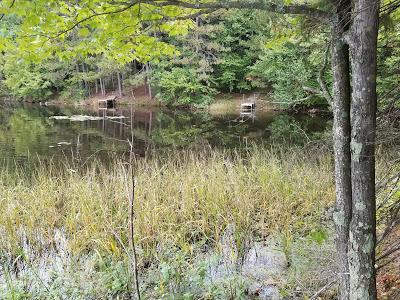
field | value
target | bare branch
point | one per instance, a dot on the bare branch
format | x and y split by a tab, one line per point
389	252
323	289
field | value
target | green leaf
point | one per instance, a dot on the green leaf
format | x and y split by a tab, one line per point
83	32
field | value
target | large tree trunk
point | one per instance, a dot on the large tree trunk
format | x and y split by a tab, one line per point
363	46
341	144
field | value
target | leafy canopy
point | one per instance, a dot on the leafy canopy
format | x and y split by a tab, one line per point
69	29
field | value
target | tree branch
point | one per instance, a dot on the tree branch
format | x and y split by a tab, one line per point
295	9
11	5
209	7
389	8
120	10
125	8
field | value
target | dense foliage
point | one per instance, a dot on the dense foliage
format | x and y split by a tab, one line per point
181	62
215	57
389	63
224	52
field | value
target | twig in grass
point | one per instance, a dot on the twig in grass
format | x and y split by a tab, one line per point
131	219
388	261
323	289
132	238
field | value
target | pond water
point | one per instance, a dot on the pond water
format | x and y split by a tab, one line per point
34	131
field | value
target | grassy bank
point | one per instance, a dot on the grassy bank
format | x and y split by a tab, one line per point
183	204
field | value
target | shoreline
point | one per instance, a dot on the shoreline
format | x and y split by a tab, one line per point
222	104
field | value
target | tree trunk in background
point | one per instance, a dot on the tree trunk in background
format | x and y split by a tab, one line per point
147	79
197	33
88	82
112	81
85	82
341	145
363	47
119	84
102	87
134	67
80	84
101	82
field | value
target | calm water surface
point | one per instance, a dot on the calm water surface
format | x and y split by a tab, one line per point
30	131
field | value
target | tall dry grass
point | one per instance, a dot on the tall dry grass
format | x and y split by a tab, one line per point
182	199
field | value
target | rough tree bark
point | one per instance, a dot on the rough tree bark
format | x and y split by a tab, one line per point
362	39
341	145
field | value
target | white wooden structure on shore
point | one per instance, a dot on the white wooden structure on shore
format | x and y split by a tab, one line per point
248	105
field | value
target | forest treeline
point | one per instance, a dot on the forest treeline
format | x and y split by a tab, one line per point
227	51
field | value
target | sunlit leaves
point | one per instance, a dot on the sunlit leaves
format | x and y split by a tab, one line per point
83	32
68	29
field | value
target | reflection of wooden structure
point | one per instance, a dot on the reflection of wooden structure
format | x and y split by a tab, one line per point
107	102
118	123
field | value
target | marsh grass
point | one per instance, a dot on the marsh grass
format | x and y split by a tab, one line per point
184	201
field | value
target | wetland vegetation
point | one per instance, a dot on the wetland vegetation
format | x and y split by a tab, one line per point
250	150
